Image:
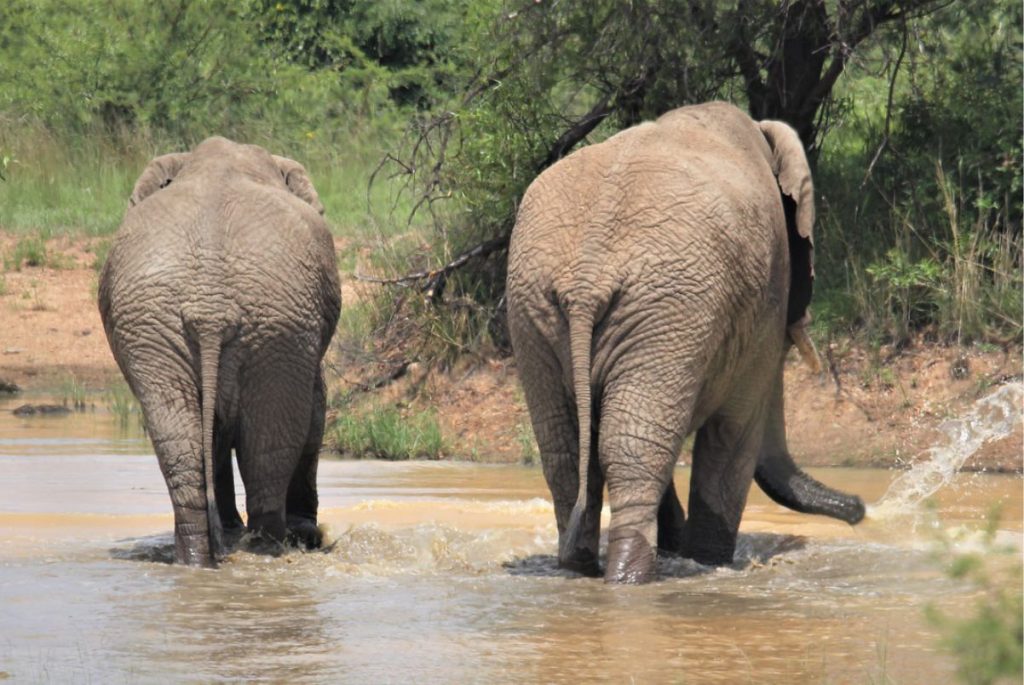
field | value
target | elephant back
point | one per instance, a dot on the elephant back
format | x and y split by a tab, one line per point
225	248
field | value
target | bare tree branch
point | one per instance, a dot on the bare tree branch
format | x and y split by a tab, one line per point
577	132
888	109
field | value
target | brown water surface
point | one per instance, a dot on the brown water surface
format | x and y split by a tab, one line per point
441	572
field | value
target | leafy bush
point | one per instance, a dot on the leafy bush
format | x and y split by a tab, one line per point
388	49
907	288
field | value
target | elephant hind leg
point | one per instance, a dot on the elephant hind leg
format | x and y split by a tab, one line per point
174	426
724	458
554	419
640	441
302	502
224	484
274	420
671	522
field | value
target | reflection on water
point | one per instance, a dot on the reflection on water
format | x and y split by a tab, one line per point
446	573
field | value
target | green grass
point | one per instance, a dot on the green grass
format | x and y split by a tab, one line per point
529	454
123	405
384	432
60	185
100	250
30	250
72	393
79	184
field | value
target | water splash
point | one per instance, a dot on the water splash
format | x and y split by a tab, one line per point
992	417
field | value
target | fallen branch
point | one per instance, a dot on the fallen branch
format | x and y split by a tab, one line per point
386	379
436	279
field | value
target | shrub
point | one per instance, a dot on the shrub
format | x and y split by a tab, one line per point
988	643
384	432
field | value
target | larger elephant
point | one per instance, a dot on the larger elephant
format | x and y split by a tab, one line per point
656	282
219	298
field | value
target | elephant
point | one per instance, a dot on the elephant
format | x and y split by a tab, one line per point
656	282
219	298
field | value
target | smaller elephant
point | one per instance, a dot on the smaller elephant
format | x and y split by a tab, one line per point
219	298
656	282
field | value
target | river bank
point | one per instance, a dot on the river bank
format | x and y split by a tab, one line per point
871	408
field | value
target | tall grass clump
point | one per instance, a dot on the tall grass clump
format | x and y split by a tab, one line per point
123	405
983	264
382	431
73	393
30	250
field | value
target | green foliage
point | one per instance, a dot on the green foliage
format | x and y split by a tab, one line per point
389	49
5	164
489	92
907	289
383	431
926	198
989	642
90	92
174	66
100	251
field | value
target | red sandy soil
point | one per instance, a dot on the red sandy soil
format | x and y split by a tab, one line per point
868	409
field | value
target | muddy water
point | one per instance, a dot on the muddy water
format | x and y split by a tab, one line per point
445	573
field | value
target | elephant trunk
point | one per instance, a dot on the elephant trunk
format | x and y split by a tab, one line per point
580	339
784	481
787	484
209	363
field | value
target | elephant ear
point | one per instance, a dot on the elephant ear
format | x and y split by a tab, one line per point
789	163
297	180
158	174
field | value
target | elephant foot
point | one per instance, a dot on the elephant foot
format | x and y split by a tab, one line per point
582	561
261	543
303	532
709	553
192	545
630	559
233	533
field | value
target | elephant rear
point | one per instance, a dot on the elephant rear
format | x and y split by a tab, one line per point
655	283
219	298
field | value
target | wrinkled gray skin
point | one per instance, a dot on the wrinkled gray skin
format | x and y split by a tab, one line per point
658	266
219	298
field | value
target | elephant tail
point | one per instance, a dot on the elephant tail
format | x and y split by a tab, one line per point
209	365
581	330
